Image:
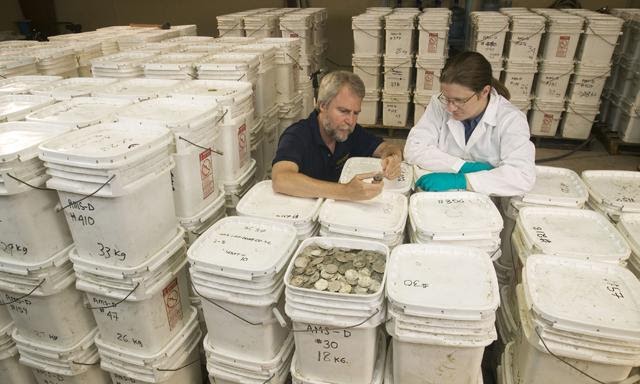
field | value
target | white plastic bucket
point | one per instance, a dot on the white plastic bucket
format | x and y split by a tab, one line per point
57	317
395	107
597	47
368	68
428	75
378	373
92	221
381	218
552	81
160	367
613	192
262	202
236	148
560	45
370	107
367	35
400	39
519	80
11	371
141	320
18	85
545	117
523	44
587	84
578	121
80	112
398	73
420	102
432	41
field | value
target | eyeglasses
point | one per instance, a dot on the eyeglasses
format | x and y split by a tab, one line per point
456	102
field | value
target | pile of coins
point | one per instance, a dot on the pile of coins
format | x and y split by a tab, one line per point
341	270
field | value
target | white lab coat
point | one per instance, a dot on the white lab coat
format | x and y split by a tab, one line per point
501	138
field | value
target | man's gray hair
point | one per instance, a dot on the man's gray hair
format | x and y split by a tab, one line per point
332	82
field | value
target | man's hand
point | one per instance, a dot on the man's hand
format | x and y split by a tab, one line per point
357	189
391	166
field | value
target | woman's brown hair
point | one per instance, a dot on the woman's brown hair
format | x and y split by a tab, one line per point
471	70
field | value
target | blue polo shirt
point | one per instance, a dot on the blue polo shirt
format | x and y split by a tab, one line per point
302	144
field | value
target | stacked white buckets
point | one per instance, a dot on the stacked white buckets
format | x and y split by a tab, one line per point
194	122
455	218
569	338
557	51
399	56
367	60
554	187
441	308
629	227
136	285
234	168
137	89
593	66
121	65
380	219
613	193
52	327
262	202
11	371
488	37
177	66
336	334
521	51
237	267
73	87
433	27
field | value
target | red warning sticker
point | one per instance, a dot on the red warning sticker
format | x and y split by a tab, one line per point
432	47
206	173
171	296
547	121
243	144
428	80
563	46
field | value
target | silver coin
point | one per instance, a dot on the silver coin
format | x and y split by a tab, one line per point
321	285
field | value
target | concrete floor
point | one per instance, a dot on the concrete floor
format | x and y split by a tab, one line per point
594	158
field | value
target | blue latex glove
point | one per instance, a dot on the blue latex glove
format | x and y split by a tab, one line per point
438	182
475	166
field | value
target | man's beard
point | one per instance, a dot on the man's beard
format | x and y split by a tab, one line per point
333	131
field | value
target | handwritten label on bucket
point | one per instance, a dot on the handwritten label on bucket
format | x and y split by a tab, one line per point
206	173
332	345
171	296
563	46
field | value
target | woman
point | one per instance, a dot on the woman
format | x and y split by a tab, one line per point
470	136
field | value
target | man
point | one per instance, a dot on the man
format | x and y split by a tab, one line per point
312	152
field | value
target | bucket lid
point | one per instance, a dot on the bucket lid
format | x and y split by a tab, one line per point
105	146
455	215
261	201
557	186
79	111
19	140
607	304
385	214
173	112
225	91
577	233
243	247
140	88
72	87
442	281
23	84
358	165
16	107
619	190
